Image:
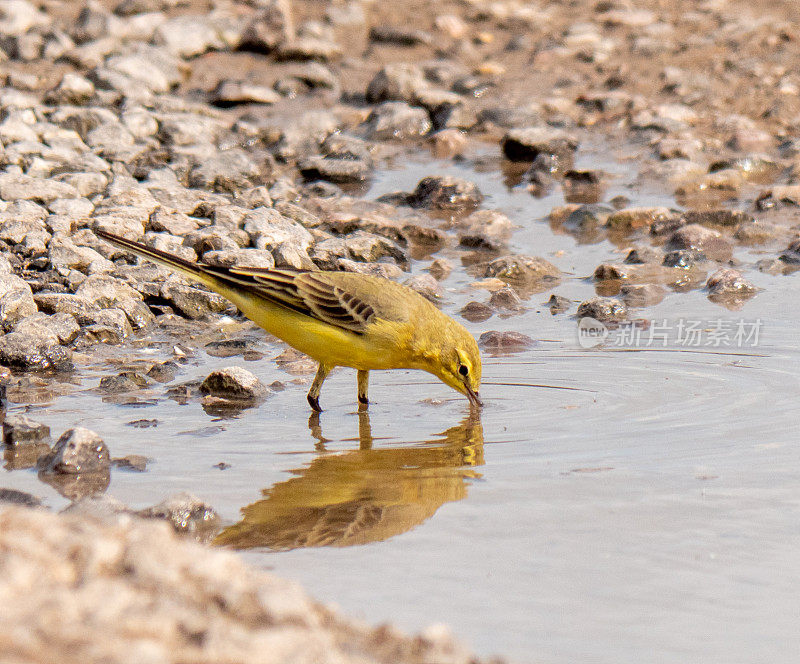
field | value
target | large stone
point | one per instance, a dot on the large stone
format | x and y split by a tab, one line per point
34	352
234	383
144	594
528	273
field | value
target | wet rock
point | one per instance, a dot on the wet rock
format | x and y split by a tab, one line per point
397	120
425	285
440	269
506	298
476	312
14	497
234	383
448	143
505	342
125	381
135	462
586	219
192	301
643	255
526	144
727	282
603	309
77	451
792	253
446	192
757	232
559	304
20	430
528	273
335	170
34	352
642	295
396	82
684	258
163	372
63	325
699	238
185	513
720	217
606	271
485	229
634	218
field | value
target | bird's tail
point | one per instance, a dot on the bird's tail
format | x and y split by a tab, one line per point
187	268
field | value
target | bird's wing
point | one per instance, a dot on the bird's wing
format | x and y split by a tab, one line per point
310	293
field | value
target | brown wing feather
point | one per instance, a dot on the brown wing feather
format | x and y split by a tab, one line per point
307	292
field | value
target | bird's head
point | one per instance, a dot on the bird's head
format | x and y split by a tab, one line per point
458	363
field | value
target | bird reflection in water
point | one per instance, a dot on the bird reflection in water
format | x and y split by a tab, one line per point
364	495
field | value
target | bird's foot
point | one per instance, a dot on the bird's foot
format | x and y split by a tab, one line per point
314	403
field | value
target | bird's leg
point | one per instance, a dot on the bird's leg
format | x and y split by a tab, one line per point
363	386
316	386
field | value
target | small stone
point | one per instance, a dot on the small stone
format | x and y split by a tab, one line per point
440	269
399	35
233	93
135	462
335	170
20	430
642	295
506	298
192	301
446	193
529	273
163	372
234	383
505	342
694	236
185	513
225	171
425	285
643	255
525	144
77	451
34	352
397	120
270	26
559	304
448	143
629	219
792	253
603	309
727	282
14	497
485	229
476	312
684	258
398	81
720	217
125	381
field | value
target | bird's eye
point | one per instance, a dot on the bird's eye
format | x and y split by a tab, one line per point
463	370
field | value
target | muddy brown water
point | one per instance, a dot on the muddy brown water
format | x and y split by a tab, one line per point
648	514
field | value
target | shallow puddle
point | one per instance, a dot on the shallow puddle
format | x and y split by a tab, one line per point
645	509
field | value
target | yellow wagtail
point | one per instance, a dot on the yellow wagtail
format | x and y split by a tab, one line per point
340	319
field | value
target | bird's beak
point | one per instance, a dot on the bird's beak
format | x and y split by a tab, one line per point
473	397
